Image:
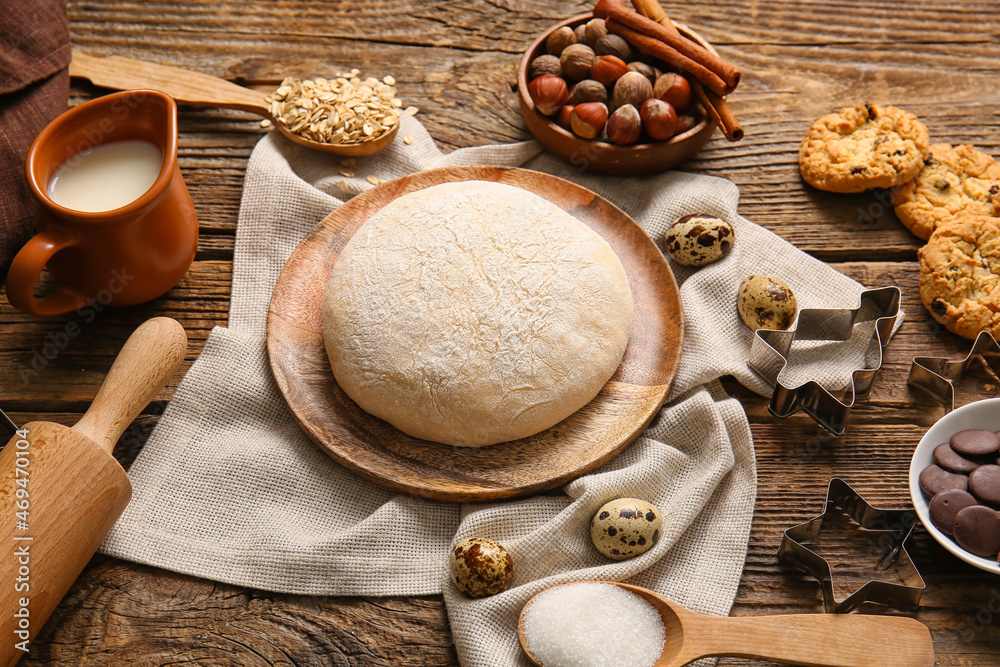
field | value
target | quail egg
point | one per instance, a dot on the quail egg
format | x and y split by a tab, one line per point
764	302
698	239
481	567
625	528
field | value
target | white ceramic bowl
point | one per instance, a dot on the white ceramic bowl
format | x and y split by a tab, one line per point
981	414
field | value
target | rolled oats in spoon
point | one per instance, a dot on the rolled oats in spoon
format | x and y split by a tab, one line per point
343	110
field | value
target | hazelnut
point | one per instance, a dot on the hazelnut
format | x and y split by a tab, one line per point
613	45
594	30
675	89
643	69
547	64
548	92
603	7
581	34
685	123
658	119
588	119
632	88
558	40
608	69
576	60
624	126
588	90
562	118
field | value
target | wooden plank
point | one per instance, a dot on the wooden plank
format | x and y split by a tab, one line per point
798	67
800	61
119	613
57	363
53	369
201	621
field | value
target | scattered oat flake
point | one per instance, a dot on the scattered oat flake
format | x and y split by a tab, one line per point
373	180
265	123
347	173
412	111
408	140
342	185
348	161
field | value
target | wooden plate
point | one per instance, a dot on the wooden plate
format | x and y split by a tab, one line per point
376	450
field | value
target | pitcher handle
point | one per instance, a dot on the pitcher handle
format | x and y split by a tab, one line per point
27	267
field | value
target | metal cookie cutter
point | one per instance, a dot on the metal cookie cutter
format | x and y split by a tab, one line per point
770	348
895	528
937	375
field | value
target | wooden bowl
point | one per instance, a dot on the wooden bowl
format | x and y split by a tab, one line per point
600	156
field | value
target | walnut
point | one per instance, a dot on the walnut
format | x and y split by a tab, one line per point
576	61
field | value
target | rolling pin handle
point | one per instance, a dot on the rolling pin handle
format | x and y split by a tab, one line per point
149	358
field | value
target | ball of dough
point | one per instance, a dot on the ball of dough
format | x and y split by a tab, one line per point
474	313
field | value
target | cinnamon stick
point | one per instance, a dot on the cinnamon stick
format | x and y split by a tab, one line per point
719	110
707	60
654	47
653	10
716	106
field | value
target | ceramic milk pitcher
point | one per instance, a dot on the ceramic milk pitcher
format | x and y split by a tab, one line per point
124	255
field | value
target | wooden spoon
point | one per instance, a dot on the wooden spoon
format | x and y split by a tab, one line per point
813	640
202	90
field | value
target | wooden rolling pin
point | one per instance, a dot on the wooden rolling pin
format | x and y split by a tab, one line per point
61	491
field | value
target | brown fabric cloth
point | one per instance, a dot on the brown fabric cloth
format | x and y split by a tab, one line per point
34	89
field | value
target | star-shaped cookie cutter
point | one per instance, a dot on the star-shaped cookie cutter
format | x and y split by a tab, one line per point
770	348
937	375
896	525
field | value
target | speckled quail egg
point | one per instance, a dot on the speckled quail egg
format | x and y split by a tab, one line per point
765	302
625	528
698	239
481	567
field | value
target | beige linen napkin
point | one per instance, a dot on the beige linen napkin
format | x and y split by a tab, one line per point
229	488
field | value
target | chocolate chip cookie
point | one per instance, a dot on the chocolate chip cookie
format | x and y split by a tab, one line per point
953	182
864	147
960	275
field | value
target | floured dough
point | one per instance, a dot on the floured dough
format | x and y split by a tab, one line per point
474	313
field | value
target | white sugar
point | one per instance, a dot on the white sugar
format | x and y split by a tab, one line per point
593	625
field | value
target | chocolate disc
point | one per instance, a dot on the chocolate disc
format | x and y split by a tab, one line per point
984	482
977	530
945	505
934	480
949	459
975	442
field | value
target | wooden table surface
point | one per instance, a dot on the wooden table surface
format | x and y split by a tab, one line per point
456	61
